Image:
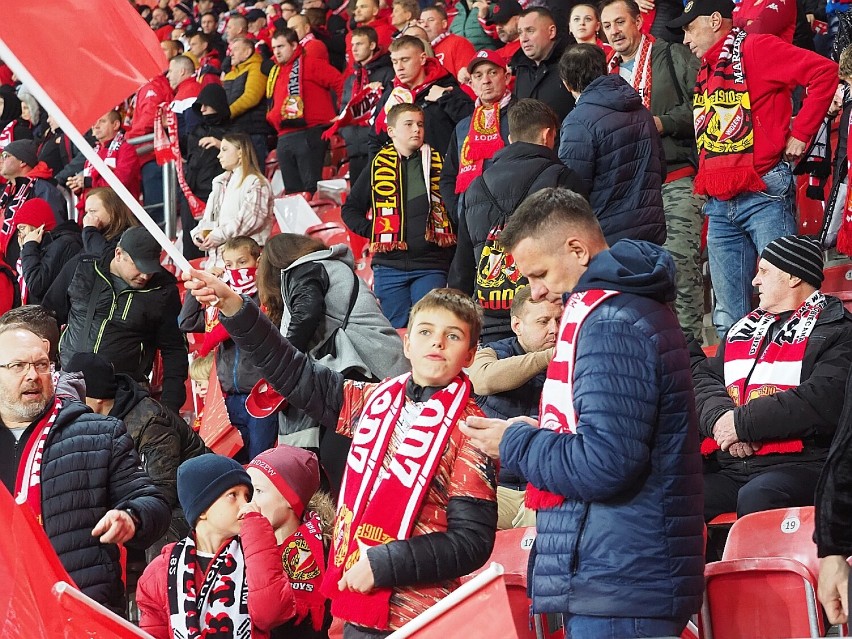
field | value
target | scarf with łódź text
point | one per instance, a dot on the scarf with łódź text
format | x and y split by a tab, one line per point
389	202
377	505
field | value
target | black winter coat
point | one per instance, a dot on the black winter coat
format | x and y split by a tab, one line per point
809	412
319	392
542	81
612	143
42	263
202	165
358	137
440	117
161	438
519	169
89	467
128	325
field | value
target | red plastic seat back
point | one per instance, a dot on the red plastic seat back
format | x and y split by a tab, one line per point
785	532
511	550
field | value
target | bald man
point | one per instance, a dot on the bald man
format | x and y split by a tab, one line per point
312	47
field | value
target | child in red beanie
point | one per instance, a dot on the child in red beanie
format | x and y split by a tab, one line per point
285	481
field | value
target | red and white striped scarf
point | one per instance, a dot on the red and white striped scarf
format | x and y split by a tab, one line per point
750	373
641	80
28	480
556	407
377	505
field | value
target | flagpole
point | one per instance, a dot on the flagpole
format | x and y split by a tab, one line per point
41	96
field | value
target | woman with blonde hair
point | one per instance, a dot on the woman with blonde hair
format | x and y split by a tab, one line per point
240	202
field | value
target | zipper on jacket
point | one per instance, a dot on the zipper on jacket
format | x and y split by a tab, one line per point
236	367
111	309
127	307
575	562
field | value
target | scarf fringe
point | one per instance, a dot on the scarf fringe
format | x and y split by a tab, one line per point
726	183
387	247
441	239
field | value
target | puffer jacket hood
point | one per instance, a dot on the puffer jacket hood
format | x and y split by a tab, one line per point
213	95
339	252
612	92
632	266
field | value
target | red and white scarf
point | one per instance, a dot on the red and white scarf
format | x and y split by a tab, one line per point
112	152
219	607
482	142
304	560
28	480
379	505
244	282
556	407
22	284
641	79
750	373
11	199
167	149
844	234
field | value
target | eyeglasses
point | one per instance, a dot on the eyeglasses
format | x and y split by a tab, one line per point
41	367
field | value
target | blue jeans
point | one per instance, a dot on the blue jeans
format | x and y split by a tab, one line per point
258	434
586	627
738	231
399	290
152	190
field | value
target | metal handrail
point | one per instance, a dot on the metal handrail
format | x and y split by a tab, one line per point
145	144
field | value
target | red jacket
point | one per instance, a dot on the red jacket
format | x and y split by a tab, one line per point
125	167
147	100
384	29
315	49
270	598
770	87
454	52
319	78
774	18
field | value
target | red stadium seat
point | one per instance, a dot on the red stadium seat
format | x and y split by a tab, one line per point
512	551
838	282
765	585
329	234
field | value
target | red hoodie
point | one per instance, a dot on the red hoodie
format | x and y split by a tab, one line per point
319	78
770	87
147	100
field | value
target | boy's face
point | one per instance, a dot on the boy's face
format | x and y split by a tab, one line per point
408	132
438	346
201	387
223	515
272	504
239	258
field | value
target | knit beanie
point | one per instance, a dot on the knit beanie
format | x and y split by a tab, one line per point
797	255
36	212
203	479
293	471
98	374
25	150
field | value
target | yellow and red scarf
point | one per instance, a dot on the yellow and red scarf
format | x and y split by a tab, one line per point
378	505
389	201
304	560
724	127
482	142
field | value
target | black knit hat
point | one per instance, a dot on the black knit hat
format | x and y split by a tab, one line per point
797	255
25	150
203	479
98	374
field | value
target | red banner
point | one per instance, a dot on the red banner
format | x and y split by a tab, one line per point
88	56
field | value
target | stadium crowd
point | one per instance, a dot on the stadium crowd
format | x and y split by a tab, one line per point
565	288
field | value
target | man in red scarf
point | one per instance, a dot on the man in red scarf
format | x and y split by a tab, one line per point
477	138
664	76
453	51
770	400
742	110
300	89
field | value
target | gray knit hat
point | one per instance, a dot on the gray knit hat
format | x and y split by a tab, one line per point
797	255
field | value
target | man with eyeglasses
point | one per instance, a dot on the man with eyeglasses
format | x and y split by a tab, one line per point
76	470
124	306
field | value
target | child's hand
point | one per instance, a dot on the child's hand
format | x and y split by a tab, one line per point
359	578
210	290
249	507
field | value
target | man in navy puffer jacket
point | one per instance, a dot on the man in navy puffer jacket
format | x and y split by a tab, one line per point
610	140
614	468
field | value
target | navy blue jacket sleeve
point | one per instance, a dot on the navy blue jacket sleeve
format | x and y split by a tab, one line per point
616	397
